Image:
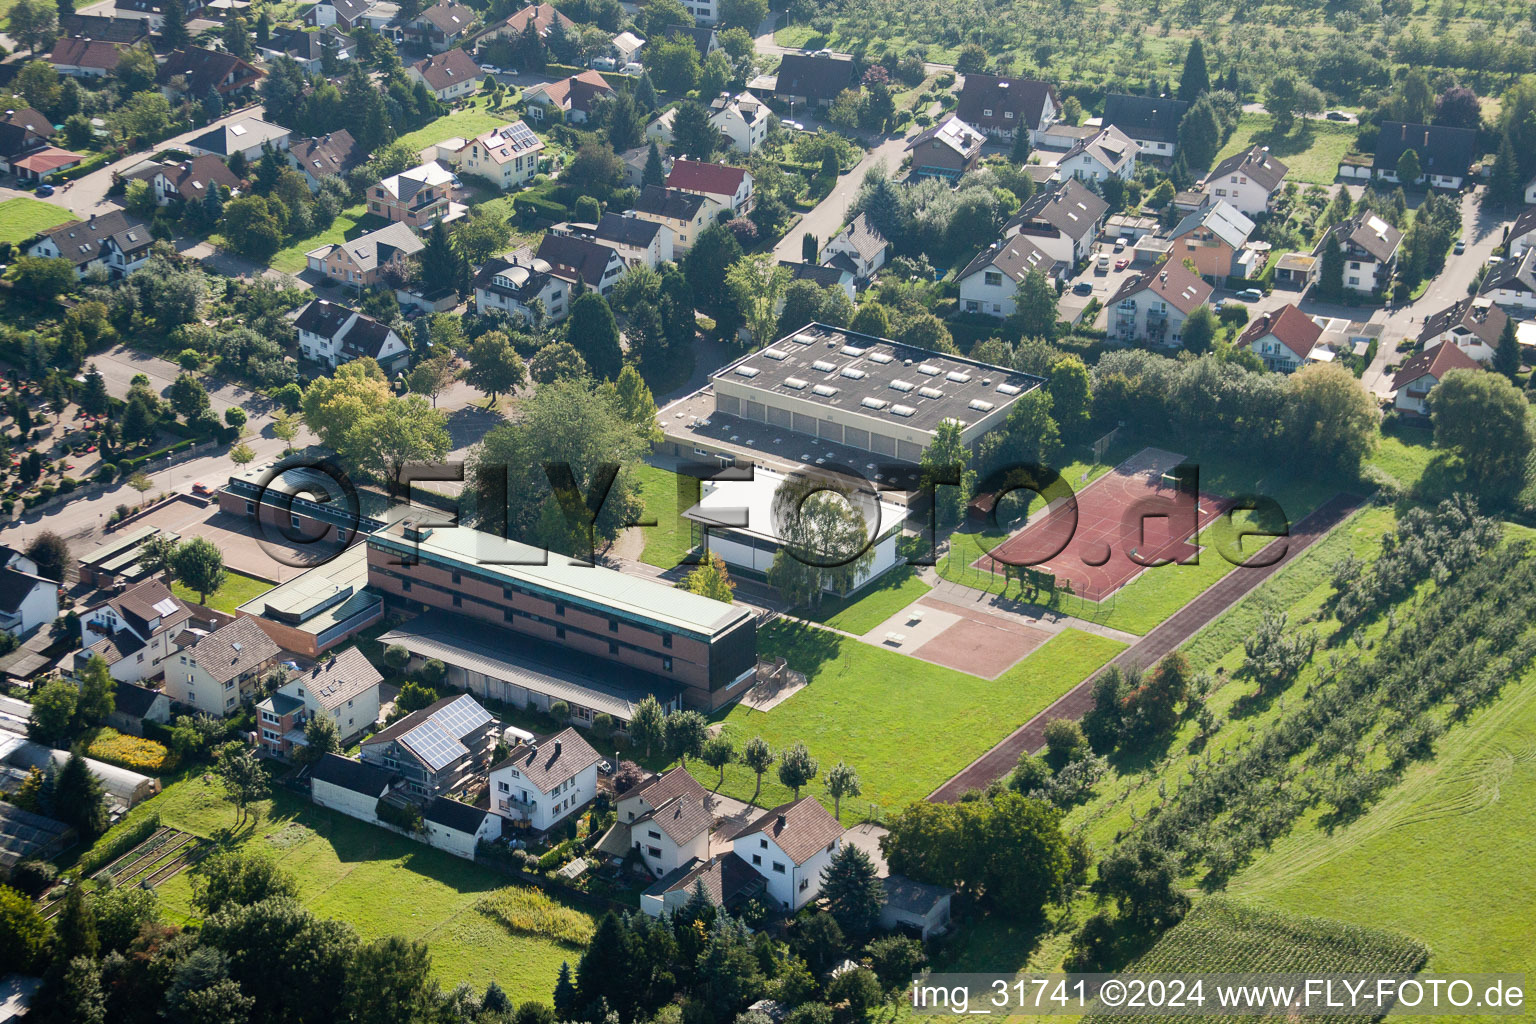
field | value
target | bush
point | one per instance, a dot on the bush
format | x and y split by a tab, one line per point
131	752
560	711
556	857
106	474
33	876
407	817
530	912
118	840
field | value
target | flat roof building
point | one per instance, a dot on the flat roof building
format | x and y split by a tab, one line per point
320	607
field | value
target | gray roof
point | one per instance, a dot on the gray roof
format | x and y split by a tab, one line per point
335	681
815	77
458	816
1257	164
376	247
368	779
16	586
1110	146
1371	233
232	650
907	896
552	760
1222	219
660	788
725	878
1154	118
1068	206
635	232
133	700
1441	149
1016	257
1517	275
80	242
332	153
671	203
238	136
1482	318
866	241
682	819
1026	98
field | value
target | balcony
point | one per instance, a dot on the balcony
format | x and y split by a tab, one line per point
512	805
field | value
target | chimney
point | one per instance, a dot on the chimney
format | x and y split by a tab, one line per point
1403	133
557	748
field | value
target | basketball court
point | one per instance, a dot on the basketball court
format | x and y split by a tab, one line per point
1140	513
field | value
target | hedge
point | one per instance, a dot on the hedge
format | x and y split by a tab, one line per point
118	840
541	208
555	857
86	167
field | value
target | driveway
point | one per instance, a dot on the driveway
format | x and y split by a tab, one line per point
832	212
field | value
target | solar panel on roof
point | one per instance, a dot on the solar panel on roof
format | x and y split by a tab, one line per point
463	716
165	607
521	135
431	742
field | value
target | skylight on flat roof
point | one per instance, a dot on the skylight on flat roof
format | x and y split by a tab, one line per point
955	376
796	383
854	374
882	357
748	371
773	353
928	370
874	403
1008	389
930	392
901	385
981	405
825	390
823	366
902	410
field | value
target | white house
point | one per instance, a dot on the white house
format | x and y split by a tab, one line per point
864	247
990	282
1471	324
1522	234
27	600
1412	384
790	846
742	120
1062	219
514	285
1512	284
133	631
638	242
508	156
1530	192
344	688
249	136
626	48
1283	339
457	828
112	240
449	75
669	836
1109	153
1152	306
1248	180
333	334
351	787
213	671
1152	122
1371	248
542	782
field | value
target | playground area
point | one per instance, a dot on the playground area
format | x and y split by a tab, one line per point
1144	512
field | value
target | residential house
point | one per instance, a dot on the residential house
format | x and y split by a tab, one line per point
507	156
417	198
636	160
626	48
112	240
1108	153
39	164
513	26
440	749
1215	237
1151	121
705	40
570	98
742	120
990	282
249	136
684	213
914	906
352	787
1522	234
945	150
1062	218
449	75
366	259
814	79
442	26
659	789
194	73
308	49
1445	154
344	14
705	12
1151	306
133	705
1284	339
458	828
104	28
1512	284
544	781
333	334
344	688
79	57
1000	106
213	671
1412	384
728	881
1471	324
673	834
638	242
18	141
1370	247
1530	192
332	154
573	258
1248	180
1296	271
730	187
835	274
790	846
186	182
861	245
513	284
27	600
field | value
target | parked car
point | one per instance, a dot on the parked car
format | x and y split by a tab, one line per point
44	189
1336	115
1250	295
794	126
490	69
1083	288
1122	263
1102	265
632	69
1460	246
1119	245
604	63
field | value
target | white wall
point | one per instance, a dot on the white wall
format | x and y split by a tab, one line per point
349	802
461	844
991	299
670	855
549	809
784	887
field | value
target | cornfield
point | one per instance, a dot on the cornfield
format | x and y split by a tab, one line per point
531	912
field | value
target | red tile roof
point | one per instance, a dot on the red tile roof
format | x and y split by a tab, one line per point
1290	326
713	179
1436	363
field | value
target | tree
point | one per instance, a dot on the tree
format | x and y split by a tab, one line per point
1485	421
439	262
34	24
23	933
1035	307
797	768
430	376
971	59
1408	169
78	798
173	27
1199	331
244	778
53	712
297	962
1459	107
595	168
718	751
692	134
633	398
121	913
390	980
648	725
757	758
1071	395
825	540
1200	134
759	282
895	959
41	279
710	579
189	397
685	733
1330	418
842	781
97	693
947	459
673	63
595	334
1282	101
565	996
1506	357
851	884
655	173
747	14
1195	80
321	737
1504	186
253	226
494	365
199	565
51	553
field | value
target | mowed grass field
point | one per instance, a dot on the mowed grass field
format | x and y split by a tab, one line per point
874	604
23	217
464	123
379	882
238	588
670	540
905	725
1312	150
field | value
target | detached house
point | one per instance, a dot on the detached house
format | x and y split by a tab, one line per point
1062	218
19	138
1371	248
741	120
862	247
543	17
667	819
948	149
417	198
814	79
308	49
1152	121
344	14
449	75
576	259
1000	107
332	154
543	782
437	750
441	26
1445	154
1284	339
1512	284
112	240
1215	237
1108	153
990	282
730	187
187	182
512	285
79	57
213	671
344	688
133	631
458	828
1152	306
27	600
571	98
790	846
684	213
333	335
194	73
363	261
508	156
1412	384
249	136
638	242
1248	181
1522	234
1471	324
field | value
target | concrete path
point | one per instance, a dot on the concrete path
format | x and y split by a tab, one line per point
1183	624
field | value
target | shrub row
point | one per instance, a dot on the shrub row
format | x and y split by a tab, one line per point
118	840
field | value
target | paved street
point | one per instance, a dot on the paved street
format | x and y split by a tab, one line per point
832	212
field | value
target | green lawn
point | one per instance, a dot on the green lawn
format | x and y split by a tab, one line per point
670	540
905	725
464	123
874	604
1403	456
238	588
23	217
1312	150
349	223
379	882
